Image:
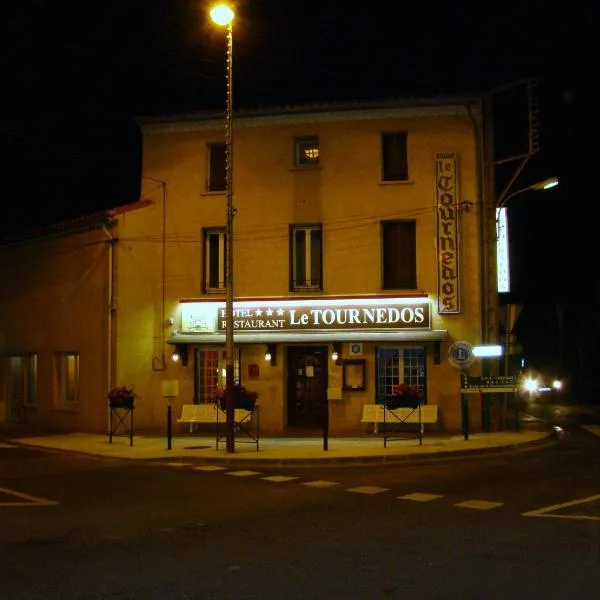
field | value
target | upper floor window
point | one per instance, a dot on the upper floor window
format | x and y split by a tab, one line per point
306	257
306	151
394	156
214	260
399	254
66	378
217	172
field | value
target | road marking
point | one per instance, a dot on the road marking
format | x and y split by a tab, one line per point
242	473
3	445
279	478
420	497
594	429
479	504
318	483
368	489
210	468
542	512
31	500
178	464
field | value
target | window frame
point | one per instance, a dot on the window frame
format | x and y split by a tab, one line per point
308	258
299	144
393	173
207	232
66	393
411	278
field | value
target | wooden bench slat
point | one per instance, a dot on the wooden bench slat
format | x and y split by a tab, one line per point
207	413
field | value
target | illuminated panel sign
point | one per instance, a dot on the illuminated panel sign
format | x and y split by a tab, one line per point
502	257
446	189
374	314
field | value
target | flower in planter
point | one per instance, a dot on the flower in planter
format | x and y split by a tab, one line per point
242	398
405	395
123	391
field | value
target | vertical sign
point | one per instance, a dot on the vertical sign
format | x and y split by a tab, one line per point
446	188
502	252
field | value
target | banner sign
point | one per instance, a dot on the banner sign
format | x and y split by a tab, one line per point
446	187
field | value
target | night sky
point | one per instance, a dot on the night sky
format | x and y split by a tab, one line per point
74	76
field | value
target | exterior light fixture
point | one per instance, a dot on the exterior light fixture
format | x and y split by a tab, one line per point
268	356
175	356
487	351
336	353
271	354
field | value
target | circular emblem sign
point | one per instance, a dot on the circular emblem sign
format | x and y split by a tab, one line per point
460	355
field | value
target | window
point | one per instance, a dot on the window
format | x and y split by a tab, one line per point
306	257
306	151
23	377
67	378
400	365
394	157
399	255
214	260
210	372
217	171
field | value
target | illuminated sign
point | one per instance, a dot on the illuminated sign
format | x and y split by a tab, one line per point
315	315
446	187
502	256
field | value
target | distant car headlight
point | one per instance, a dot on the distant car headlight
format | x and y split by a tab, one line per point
557	384
530	384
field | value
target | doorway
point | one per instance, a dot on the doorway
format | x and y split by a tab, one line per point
306	386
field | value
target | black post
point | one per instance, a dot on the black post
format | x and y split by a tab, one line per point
169	429
464	406
326	426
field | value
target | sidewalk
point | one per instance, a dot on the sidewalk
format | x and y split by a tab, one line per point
286	450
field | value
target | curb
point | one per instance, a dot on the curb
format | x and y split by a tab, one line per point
249	461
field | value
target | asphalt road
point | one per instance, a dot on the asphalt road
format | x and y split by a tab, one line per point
520	525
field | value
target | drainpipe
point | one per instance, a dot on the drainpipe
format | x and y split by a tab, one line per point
111	306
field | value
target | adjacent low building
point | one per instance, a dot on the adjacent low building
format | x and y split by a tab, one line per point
358	237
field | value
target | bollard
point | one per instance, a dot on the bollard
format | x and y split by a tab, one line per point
169	431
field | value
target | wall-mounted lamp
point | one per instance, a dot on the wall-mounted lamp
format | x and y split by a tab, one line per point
180	354
271	354
336	353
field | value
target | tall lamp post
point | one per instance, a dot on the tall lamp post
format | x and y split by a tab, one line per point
223	15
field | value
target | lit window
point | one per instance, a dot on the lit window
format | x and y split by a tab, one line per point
397	366
214	260
394	157
307	151
217	170
399	255
66	378
306	257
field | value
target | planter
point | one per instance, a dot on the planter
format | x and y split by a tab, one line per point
243	400
400	401
122	402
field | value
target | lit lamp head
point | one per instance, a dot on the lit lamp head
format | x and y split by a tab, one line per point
222	14
175	356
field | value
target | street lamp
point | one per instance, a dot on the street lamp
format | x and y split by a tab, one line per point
545	184
223	15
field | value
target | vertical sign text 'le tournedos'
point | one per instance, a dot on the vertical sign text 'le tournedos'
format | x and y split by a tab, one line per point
446	188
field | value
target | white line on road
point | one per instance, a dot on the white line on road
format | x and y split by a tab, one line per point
320	483
368	489
178	464
3	445
279	478
31	500
543	512
242	473
420	497
210	468
594	429
479	504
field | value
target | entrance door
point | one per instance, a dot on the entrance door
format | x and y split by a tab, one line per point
307	386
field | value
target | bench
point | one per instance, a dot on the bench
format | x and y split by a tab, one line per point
193	414
378	414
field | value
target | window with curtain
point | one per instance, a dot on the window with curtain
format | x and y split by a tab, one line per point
399	255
